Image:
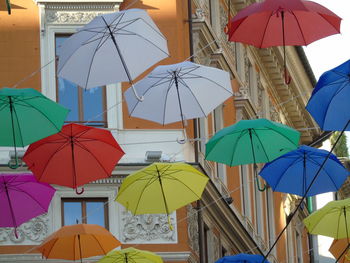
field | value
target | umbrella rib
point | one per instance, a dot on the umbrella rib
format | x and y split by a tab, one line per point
189	188
336	187
200	106
98	161
263	36
262	146
182	71
284	137
143	190
52	249
235	145
93	56
104	252
171	82
146	91
321	15
49	159
338	91
301	31
197	76
43	114
26	193
19	126
289	166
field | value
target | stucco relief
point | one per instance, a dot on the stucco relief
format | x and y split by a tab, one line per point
66	17
149	228
274	115
33	231
193	229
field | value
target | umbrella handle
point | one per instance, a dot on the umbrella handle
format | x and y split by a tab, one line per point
81	191
15	165
15	232
258	185
135	93
184	140
287	77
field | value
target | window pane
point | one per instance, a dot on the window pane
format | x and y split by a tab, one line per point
95	213
68	97
72	212
92	109
84	105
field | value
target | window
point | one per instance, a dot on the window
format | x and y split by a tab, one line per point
245	186
218	125
85	210
86	106
258	210
270	217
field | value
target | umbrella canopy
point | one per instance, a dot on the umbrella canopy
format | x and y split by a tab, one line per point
75	156
111	48
22	111
332	220
329	104
293	172
78	241
179	92
251	141
283	22
22	198
161	188
242	258
129	255
337	248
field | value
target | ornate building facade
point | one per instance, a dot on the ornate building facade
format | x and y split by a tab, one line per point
233	215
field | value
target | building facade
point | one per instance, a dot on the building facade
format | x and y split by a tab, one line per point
234	216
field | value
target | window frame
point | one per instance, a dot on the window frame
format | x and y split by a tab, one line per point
81	91
83	202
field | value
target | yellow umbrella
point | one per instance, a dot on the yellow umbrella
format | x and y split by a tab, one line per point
337	249
161	188
130	255
332	220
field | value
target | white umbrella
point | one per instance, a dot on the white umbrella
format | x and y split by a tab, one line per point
179	92
112	48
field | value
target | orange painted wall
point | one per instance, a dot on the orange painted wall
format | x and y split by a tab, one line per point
19	44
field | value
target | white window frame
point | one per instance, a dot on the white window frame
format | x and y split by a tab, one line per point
114	111
245	193
270	219
218	124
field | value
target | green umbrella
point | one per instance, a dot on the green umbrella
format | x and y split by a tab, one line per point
251	141
27	116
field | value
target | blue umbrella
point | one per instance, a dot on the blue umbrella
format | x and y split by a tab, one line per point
293	172
242	258
329	104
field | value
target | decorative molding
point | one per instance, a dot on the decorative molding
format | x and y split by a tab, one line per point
31	232
148	228
64	17
192	228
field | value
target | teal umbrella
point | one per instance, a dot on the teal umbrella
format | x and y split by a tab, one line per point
27	116
251	141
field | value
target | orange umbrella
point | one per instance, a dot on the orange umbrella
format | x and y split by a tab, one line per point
337	248
78	241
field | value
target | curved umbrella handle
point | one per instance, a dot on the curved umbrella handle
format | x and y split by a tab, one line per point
81	191
287	77
258	185
135	93
13	166
184	140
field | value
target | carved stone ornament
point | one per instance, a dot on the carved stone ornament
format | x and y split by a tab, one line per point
33	231
199	15
274	115
68	17
193	229
243	92
148	228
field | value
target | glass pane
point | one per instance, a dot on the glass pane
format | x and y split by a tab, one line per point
93	106
69	94
68	97
72	212
95	212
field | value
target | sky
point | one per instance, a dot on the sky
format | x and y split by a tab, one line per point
331	51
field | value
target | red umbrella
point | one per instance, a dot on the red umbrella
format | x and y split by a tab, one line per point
283	22
75	156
